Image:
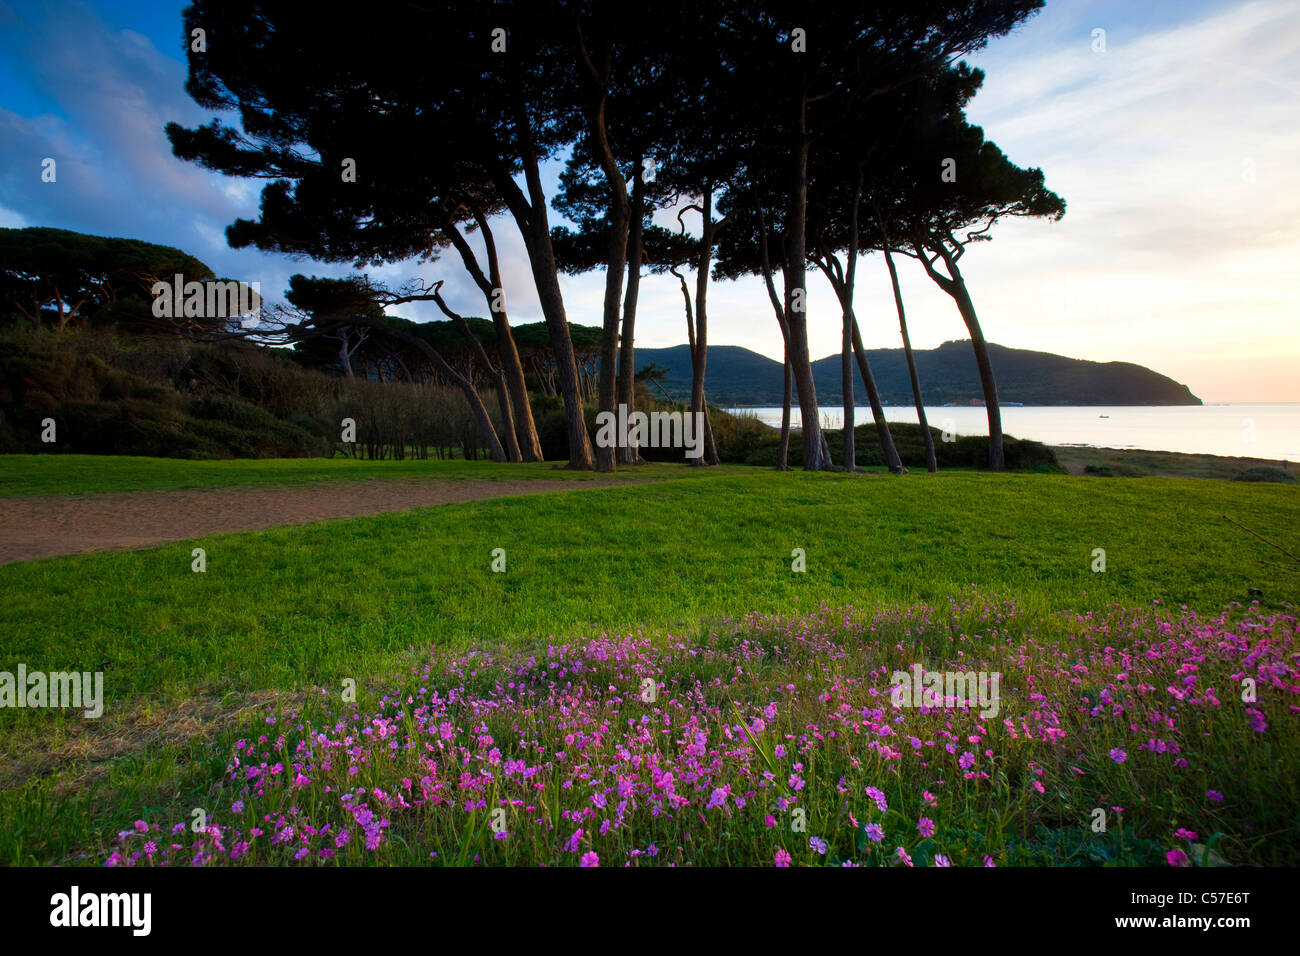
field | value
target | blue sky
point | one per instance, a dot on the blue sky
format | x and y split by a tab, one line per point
1176	150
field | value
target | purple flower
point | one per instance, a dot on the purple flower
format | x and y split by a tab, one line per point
1176	858
966	760
782	857
941	860
1118	755
589	859
874	832
926	826
1257	721
1185	834
1214	796
818	844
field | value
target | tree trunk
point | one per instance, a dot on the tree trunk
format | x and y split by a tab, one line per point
955	286
503	394
846	377
892	461
530	216
700	348
345	357
849	321
615	263
783	450
542	258
796	273
507	416
530	445
629	454
843	288
988	382
931	462
710	449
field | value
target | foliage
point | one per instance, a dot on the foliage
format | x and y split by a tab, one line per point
129	395
1267	473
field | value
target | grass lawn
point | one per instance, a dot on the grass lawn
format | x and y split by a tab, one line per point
1134	462
99	474
282	611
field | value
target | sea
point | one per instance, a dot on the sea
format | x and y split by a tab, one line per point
1246	430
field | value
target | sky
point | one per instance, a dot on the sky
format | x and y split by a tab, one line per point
1173	136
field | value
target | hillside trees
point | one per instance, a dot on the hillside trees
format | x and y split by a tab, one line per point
60	277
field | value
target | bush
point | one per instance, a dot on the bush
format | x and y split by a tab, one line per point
968	451
100	407
1114	470
1267	473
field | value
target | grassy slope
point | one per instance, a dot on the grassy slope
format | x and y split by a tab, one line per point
312	605
95	474
315	602
1136	462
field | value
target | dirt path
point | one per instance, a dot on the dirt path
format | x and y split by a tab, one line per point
47	526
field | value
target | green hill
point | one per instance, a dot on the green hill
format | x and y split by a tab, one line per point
737	376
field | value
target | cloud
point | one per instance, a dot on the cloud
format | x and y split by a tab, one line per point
1175	151
116	175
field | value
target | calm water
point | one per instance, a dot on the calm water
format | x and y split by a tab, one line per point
1238	431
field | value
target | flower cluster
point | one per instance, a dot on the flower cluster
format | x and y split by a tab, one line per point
774	740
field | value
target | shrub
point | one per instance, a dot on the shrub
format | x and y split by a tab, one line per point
1114	470
968	451
1267	473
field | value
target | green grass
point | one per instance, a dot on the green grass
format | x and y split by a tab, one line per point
308	606
99	474
1134	462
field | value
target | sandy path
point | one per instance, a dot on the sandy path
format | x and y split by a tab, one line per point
42	527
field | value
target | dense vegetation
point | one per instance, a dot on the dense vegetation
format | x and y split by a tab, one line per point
107	393
164	396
